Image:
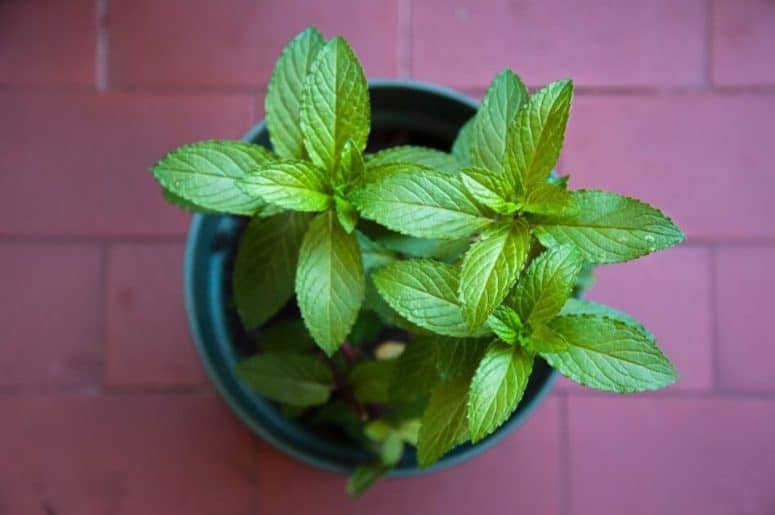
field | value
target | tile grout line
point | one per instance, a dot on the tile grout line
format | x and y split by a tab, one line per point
404	38
564	455
102	65
714	329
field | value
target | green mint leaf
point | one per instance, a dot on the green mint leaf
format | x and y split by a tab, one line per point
543	339
504	99
350	173
608	228
586	307
296	185
346	213
489	189
546	284
425	205
370	380
425	293
375	303
415	372
374	254
290	378
284	93
535	137
206	174
505	323
366	328
427	157
329	281
391	450
459	356
444	423
497	387
490	268
186	205
363	477
547	199
462	147
445	250
607	354
286	335
558	180
265	266
377	172
335	104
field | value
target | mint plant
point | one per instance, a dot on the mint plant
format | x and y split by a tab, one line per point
428	282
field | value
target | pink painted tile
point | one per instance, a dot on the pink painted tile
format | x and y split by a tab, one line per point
124	455
520	475
464	43
235	43
80	163
669	292
51	43
743	42
51	316
671	456
148	342
701	159
745	299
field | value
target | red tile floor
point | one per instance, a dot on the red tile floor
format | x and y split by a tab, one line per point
104	408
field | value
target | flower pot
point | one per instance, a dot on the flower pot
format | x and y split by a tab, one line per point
402	112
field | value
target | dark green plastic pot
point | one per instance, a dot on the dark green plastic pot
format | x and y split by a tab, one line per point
402	111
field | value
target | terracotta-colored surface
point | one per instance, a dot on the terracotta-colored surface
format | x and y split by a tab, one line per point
104	408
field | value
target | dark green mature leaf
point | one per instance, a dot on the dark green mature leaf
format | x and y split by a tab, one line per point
497	387
416	371
424	292
427	205
505	323
335	104
374	302
444	423
370	380
363	477
489	189
607	354
329	281
462	147
206	174
547	284
427	157
286	335
265	266
285	90
187	205
366	328
608	228
586	307
503	100
290	378
535	137
374	254
459	356
445	250
491	268
296	185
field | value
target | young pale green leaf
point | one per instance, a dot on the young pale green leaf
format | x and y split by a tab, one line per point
444	423
370	380
290	378
295	185
606	354
608	228
391	449
505	323
543	339
265	266
424	292
363	477
285	90
547	284
458	356
489	189
497	387
462	147
586	307
426	205
377	172
444	250
186	205
350	173
329	281
335	104
490	268
286	335
535	137
415	372
547	199
346	213
206	174
503	101
428	157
